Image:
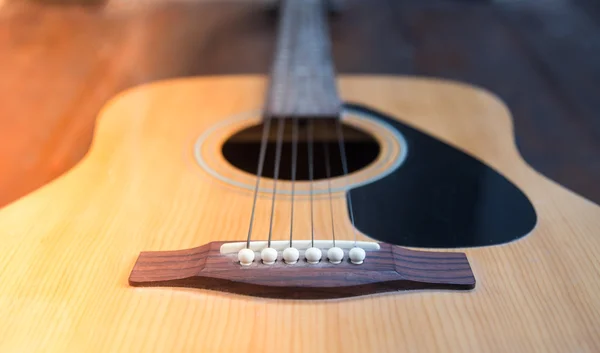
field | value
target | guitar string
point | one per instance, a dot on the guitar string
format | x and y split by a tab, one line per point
342	148
310	152
327	166
280	127
266	131
261	162
328	175
310	179
294	160
262	153
263	149
325	143
310	139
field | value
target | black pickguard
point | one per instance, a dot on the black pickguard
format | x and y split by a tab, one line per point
440	198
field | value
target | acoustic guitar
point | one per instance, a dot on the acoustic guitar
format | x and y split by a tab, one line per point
303	212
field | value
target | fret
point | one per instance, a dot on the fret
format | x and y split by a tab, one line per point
302	82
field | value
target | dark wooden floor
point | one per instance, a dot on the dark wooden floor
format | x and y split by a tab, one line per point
59	64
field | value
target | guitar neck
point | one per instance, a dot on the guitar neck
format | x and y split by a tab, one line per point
302	82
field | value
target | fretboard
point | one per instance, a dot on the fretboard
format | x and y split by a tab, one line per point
303	78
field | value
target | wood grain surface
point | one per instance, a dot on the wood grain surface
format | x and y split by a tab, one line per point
68	248
60	62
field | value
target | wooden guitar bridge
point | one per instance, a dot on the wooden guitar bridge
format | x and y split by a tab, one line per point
386	268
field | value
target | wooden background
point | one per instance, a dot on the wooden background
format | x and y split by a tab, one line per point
60	62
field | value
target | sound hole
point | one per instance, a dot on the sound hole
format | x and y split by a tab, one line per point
242	149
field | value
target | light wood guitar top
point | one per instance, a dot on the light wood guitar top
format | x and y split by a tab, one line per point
67	249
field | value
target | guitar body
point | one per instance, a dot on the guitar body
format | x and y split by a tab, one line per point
68	248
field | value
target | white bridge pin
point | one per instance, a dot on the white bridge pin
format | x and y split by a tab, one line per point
313	255
268	256
291	255
246	256
357	255
335	255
